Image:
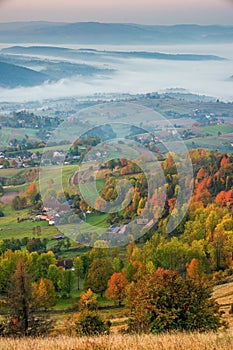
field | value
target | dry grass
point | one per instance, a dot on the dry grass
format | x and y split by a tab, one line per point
179	341
223	294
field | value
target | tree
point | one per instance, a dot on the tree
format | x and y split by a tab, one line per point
100	250
193	269
117	287
117	264
43	294
88	301
165	301
54	275
31	193
98	275
1	189
35	245
67	281
23	319
18	203
78	268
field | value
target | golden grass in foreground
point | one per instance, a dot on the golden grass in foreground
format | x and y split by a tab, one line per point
179	341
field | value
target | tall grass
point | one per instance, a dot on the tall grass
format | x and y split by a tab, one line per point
179	341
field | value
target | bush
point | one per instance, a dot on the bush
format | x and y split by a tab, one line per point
90	323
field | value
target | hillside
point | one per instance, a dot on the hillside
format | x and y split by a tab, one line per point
112	33
13	76
90	54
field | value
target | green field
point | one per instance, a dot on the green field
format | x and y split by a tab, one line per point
211	142
10	228
6	134
215	129
12	172
56	177
50	148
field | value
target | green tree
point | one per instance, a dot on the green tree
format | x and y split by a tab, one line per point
78	269
67	281
117	264
54	275
98	275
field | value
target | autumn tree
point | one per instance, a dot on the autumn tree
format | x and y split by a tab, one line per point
117	287
43	294
88	301
165	301
31	193
193	269
23	319
89	322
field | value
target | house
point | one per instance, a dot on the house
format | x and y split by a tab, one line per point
59	155
59	237
66	264
142	221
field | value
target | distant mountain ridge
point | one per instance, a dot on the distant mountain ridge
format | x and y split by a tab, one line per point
111	33
91	53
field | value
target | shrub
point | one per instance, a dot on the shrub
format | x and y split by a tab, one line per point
90	323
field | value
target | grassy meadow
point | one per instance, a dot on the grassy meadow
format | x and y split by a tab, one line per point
179	341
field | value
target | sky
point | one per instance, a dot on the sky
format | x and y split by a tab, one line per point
130	11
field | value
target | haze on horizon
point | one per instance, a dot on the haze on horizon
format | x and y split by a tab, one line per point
128	11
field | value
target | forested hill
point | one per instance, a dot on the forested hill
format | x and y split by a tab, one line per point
13	76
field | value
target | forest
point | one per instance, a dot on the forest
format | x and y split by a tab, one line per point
161	282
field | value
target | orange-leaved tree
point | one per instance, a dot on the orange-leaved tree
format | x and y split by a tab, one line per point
117	287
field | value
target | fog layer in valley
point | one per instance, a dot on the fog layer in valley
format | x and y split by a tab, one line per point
133	74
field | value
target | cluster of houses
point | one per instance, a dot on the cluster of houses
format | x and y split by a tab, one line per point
50	211
24	160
